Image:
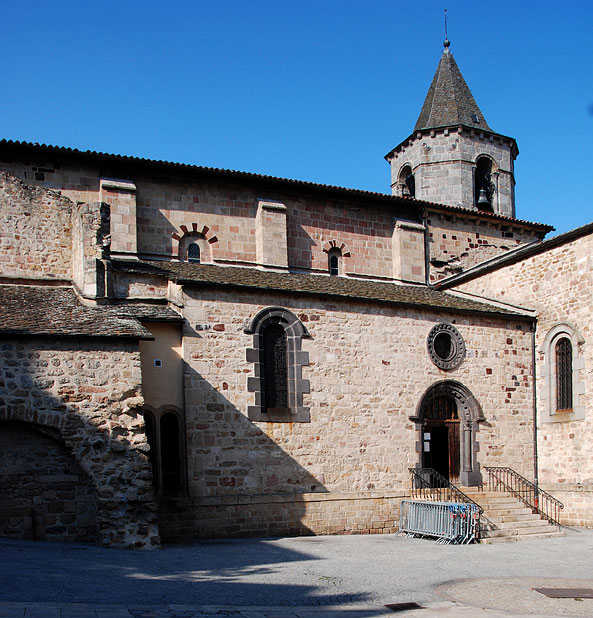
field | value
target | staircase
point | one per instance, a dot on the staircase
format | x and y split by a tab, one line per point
514	521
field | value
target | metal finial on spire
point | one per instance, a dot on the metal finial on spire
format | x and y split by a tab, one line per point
447	42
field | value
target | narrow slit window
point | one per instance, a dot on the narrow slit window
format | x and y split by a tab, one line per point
563	375
334	264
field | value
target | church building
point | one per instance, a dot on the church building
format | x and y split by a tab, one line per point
190	352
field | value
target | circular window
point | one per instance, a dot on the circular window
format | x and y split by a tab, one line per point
446	347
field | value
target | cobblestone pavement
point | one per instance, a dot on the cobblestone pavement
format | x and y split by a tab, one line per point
306	577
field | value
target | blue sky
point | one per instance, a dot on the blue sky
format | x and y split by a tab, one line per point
313	90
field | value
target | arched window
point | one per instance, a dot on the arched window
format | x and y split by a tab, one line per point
193	253
167	453
483	185
563	352
561	375
275	369
195	248
278	360
334	258
407	182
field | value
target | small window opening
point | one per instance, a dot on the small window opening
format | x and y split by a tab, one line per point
193	253
333	261
483	185
563	375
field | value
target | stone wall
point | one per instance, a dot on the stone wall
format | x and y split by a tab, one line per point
167	210
89	394
35	231
368	372
558	284
45	494
457	243
280	515
443	163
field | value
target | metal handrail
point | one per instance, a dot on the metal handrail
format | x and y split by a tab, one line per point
440	486
538	500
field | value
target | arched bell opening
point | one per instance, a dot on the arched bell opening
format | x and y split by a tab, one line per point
447	423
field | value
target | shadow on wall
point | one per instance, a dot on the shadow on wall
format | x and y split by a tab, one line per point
44	494
241	481
72	445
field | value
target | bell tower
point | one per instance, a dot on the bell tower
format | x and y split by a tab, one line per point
453	157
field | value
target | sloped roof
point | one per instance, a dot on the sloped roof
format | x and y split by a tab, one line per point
407	206
147	312
449	101
514	256
56	311
322	286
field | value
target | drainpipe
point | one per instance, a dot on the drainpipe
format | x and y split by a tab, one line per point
534	396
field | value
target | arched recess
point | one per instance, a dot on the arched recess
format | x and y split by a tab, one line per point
485	181
107	460
406	182
193	234
336	252
290	359
165	432
465	413
44	493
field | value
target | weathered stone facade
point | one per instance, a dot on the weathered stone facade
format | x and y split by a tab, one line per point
87	397
556	280
444	161
190	352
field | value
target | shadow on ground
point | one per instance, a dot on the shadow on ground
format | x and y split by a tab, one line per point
211	572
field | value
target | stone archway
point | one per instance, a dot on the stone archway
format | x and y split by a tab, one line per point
50	385
451	409
44	493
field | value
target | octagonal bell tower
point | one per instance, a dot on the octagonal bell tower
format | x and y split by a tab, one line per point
453	157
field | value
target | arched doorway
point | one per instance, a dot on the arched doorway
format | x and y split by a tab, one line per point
441	436
447	423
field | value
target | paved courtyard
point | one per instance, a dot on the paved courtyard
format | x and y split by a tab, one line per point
337	577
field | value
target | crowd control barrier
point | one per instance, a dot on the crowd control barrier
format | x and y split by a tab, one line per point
454	523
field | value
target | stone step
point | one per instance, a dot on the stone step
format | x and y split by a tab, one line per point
542	528
495	519
521	525
494	499
520	537
519	510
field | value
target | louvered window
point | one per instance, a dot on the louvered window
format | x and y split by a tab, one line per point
563	375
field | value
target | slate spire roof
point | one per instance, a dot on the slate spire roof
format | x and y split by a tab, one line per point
449	101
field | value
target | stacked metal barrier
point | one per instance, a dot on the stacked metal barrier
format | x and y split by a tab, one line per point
450	522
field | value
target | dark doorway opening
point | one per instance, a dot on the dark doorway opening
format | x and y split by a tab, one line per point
441	437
